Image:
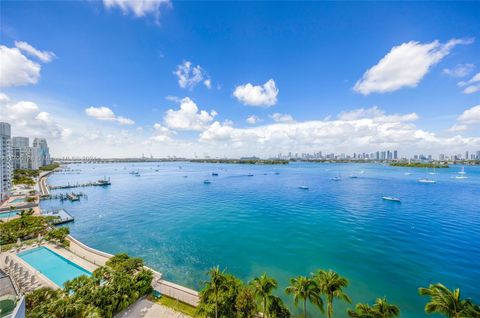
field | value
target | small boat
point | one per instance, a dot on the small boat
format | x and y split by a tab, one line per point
407	173
426	180
250	175
434	172
462	174
462	171
303	187
136	173
215	174
335	179
207	181
362	172
185	176
156	170
391	199
277	172
353	177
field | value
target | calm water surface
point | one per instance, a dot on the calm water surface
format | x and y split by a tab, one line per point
265	223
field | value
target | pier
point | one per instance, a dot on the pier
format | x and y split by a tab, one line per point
67	196
61	216
101	183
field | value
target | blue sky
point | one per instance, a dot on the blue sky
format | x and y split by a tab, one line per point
107	84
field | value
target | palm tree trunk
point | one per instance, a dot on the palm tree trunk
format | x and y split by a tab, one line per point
330	306
305	308
216	305
265	307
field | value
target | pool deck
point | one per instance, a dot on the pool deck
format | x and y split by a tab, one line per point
43	281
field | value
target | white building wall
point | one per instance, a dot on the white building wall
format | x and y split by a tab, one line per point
6	172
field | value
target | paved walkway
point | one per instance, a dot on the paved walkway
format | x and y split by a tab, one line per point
147	309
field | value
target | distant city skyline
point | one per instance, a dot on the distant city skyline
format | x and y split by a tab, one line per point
230	79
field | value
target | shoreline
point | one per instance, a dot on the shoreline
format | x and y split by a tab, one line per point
99	258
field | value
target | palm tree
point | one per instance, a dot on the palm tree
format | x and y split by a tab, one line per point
362	311
305	289
446	302
215	285
384	309
263	287
331	285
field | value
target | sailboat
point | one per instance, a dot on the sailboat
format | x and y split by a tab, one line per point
426	180
462	174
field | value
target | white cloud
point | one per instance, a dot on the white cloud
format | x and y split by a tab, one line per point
460	70
207	83
468	118
471	115
106	114
139	8
189	76
252	119
472	85
161	134
188	117
27	120
257	95
404	66
44	56
358	130
16	69
282	118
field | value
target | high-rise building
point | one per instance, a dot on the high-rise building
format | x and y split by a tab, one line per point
44	151
6	172
395	154
24	156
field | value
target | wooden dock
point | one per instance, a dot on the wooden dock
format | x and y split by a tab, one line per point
99	183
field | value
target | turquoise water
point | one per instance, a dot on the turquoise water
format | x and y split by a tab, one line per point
265	223
18	200
4	215
54	266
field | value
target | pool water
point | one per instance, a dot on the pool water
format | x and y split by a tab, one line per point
9	214
54	266
18	200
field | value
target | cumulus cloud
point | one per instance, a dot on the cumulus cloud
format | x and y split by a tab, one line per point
460	70
188	117
16	69
282	118
139	8
468	118
106	114
472	85
358	130
189	76
404	66
252	119
44	56
257	95
161	133
27	119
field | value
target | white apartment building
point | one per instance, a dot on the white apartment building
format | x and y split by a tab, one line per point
24	156
6	171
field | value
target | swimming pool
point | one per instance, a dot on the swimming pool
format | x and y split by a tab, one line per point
18	200
4	215
54	266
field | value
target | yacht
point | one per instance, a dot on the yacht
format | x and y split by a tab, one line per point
391	199
426	180
303	187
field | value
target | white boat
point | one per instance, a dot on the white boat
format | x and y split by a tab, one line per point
391	199
362	172
407	173
335	179
434	172
426	180
461	177
462	171
303	187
